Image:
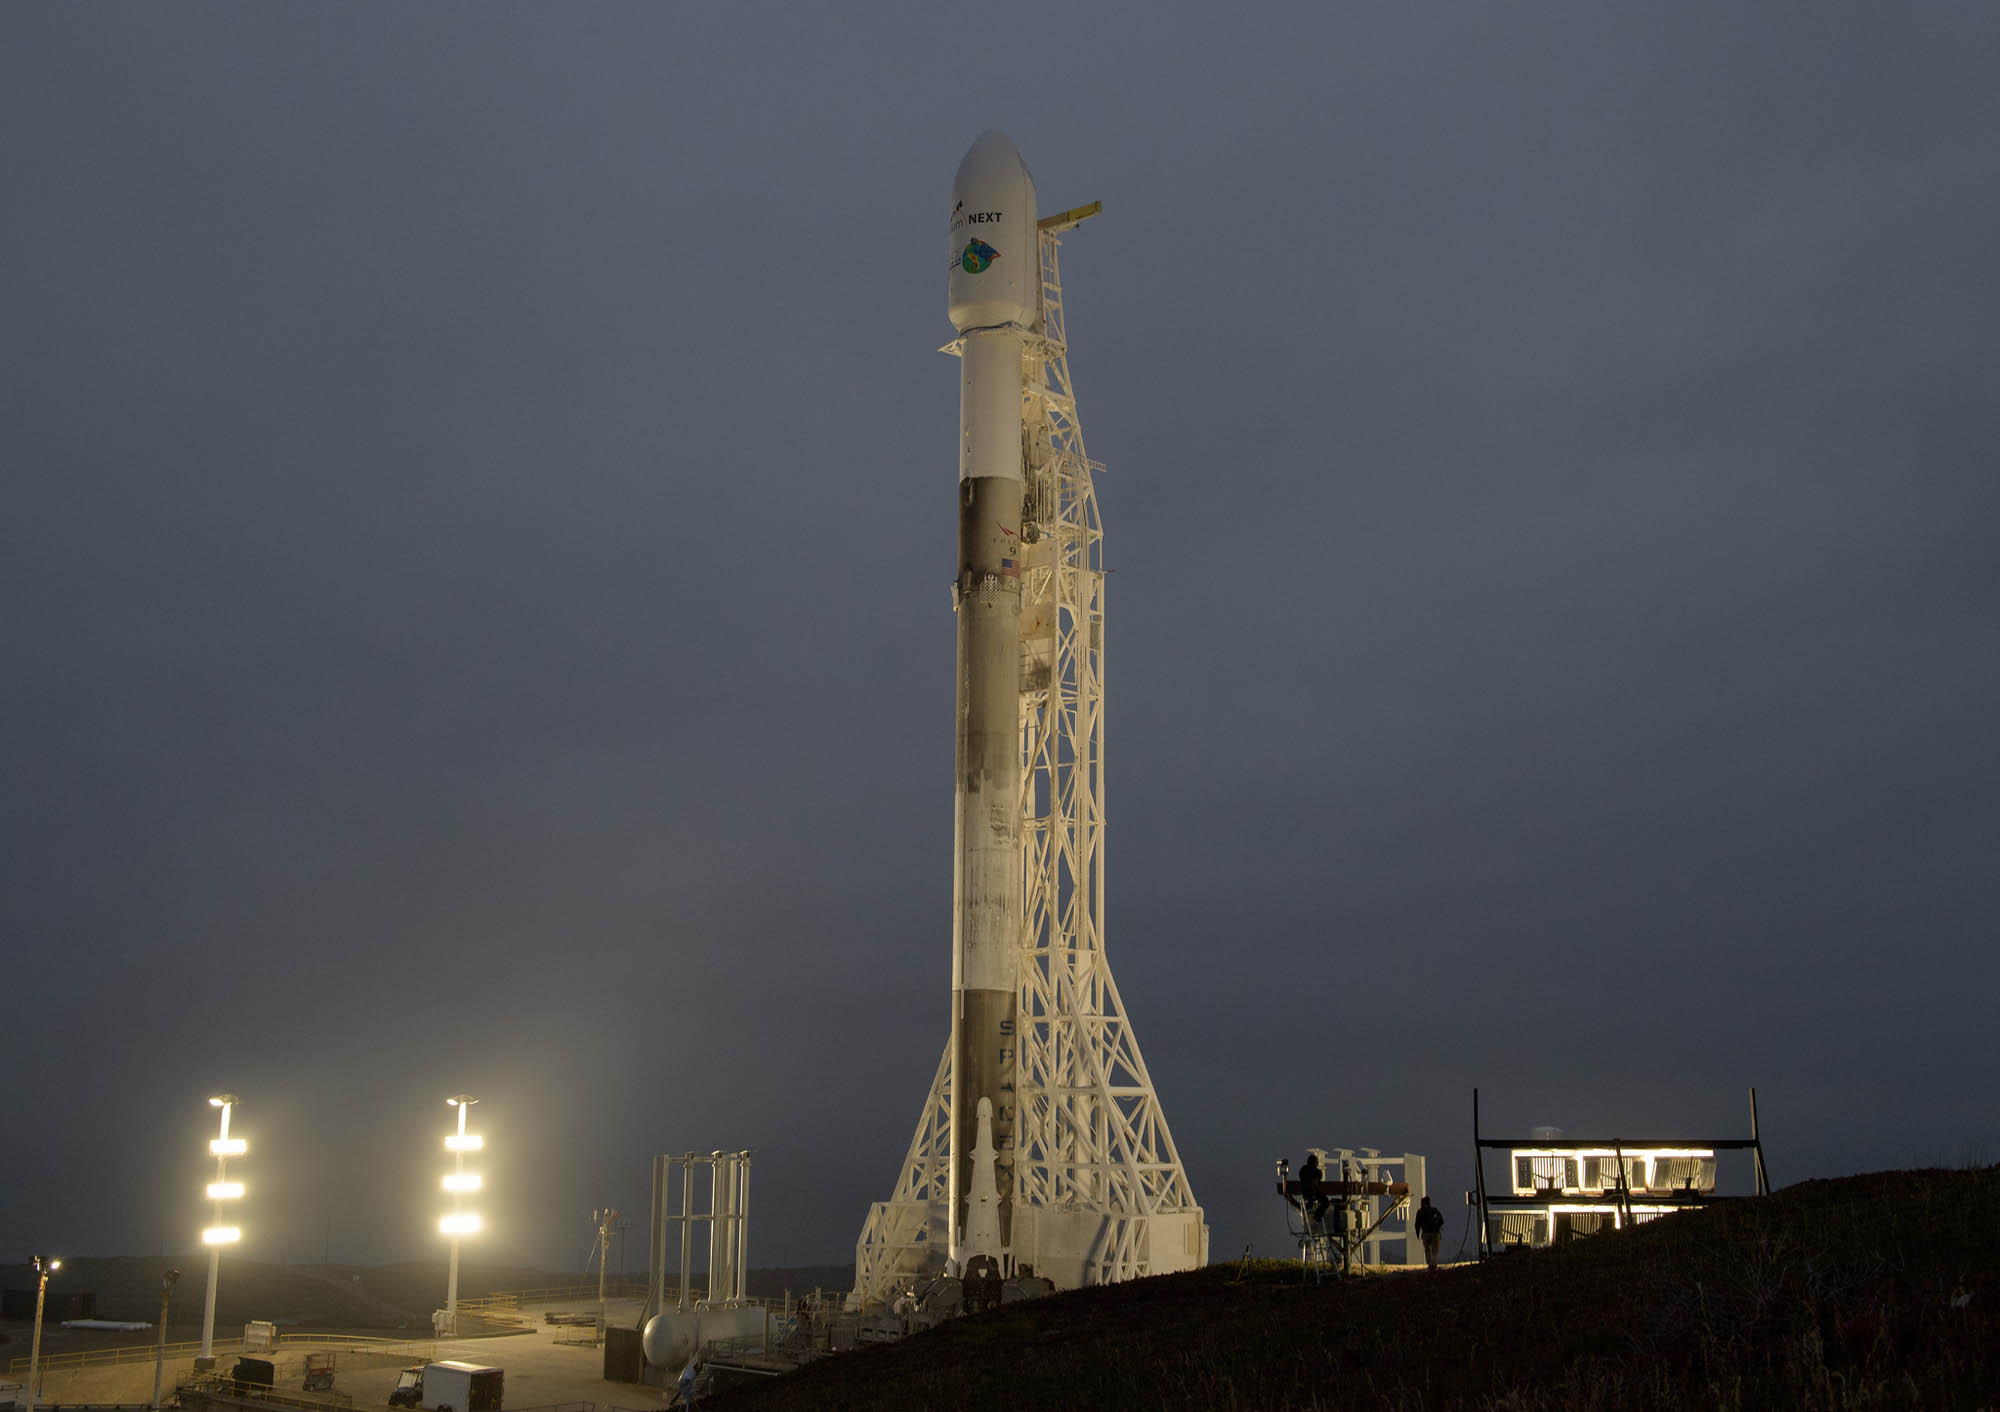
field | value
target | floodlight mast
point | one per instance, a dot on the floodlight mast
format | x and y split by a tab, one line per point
167	1283
460	1222
218	1235
605	1218
44	1267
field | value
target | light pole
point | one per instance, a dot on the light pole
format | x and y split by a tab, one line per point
167	1282
218	1235
605	1220
460	1222
44	1267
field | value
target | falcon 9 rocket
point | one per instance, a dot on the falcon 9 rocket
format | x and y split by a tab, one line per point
995	280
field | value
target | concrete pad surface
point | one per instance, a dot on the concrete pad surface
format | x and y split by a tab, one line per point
540	1371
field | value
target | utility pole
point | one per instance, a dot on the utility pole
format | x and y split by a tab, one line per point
605	1219
167	1282
44	1267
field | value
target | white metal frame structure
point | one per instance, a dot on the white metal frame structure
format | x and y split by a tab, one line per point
728	1220
1099	1191
1384	1218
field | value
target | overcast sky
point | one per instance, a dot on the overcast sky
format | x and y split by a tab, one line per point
480	505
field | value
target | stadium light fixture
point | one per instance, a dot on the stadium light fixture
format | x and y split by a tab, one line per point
459	1222
44	1267
219	1234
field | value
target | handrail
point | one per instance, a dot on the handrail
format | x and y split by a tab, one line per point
360	1343
553	1294
223	1388
134	1353
147	1352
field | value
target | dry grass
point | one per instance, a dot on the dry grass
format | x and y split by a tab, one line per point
1848	1294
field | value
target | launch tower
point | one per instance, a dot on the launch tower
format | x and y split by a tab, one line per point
1092	1184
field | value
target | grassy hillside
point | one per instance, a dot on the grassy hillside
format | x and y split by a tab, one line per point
1880	1291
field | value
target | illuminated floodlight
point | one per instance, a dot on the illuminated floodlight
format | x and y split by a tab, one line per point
459	1222
44	1267
222	1147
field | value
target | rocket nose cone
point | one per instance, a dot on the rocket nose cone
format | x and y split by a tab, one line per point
994	261
992	157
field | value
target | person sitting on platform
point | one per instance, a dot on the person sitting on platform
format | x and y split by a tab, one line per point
1313	1199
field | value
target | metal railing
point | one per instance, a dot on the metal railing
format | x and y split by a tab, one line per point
412	1349
224	1389
510	1300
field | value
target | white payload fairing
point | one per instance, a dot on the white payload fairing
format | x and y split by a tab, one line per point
994	284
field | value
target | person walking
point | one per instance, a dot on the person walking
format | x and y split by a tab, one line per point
1429	1222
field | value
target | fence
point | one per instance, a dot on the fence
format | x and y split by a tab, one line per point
508	1301
412	1350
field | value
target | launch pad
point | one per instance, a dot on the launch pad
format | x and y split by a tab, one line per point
1081	1161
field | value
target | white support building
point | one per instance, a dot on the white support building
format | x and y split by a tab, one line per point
1099	1191
1561	1187
1571	1191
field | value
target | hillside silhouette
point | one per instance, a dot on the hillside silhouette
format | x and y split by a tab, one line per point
1877	1291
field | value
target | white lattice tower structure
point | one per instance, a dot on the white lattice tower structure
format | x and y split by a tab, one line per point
1099	1191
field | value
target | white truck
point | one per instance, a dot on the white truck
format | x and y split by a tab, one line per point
449	1387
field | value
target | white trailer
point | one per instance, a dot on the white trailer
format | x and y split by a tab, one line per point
461	1387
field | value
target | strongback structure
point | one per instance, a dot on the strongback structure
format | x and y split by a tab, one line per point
1098	1193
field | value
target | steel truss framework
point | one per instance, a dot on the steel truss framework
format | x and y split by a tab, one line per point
1092	1147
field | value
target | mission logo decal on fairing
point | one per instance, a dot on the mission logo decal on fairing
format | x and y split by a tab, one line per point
978	255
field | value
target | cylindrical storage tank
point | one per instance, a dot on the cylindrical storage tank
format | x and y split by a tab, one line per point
720	1246
670	1339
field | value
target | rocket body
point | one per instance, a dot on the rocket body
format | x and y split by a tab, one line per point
995	284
